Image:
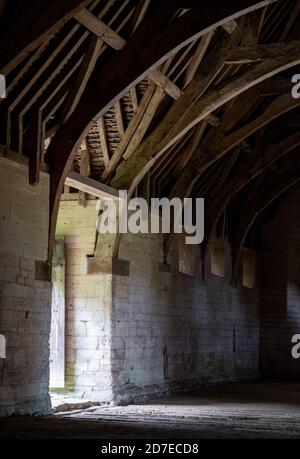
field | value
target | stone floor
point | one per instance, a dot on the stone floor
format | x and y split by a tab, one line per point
252	410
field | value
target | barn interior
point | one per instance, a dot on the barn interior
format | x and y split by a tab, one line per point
144	335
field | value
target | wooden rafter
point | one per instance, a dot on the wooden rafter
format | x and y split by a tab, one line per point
140	12
111	38
193	92
86	70
56	70
43	19
85	171
246	174
252	54
153	41
103	139
139	124
198	57
130	132
214	139
172	130
90	186
101	30
119	118
212	151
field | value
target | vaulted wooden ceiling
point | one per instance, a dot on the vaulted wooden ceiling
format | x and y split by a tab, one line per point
174	98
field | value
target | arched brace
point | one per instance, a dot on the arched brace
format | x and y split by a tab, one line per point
210	151
191	109
153	42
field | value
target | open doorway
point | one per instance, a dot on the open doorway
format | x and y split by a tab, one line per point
80	352
58	317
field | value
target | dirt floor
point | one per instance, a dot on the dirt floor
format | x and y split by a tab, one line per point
252	410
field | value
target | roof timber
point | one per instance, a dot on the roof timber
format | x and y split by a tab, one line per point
235	9
12	101
103	138
101	30
250	54
66	101
186	181
140	122
211	152
44	76
192	93
96	48
90	186
198	109
198	57
111	38
246	174
85	171
86	71
42	20
242	105
54	73
140	13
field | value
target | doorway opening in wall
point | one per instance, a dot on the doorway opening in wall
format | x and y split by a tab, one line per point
57	382
62	396
79	338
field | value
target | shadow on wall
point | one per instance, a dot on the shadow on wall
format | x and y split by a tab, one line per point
175	331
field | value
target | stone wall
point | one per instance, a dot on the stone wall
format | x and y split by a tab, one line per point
24	301
88	305
146	334
154	331
172	331
280	294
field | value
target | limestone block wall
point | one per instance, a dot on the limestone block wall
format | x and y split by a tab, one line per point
280	294
129	337
88	305
24	301
171	330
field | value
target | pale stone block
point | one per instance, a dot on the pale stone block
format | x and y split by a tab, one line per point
82	343
93	365
91	378
84	316
76	329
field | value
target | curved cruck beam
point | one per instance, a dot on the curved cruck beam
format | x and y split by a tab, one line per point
267	195
131	172
209	152
206	105
18	37
150	45
211	66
